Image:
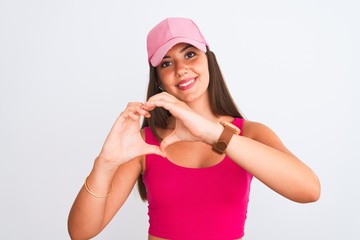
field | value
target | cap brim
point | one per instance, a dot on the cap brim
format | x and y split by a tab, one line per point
160	53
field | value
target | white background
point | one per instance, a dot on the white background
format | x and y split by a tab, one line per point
68	68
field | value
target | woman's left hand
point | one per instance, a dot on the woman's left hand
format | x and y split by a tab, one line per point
190	126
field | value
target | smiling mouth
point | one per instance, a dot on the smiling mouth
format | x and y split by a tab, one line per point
187	83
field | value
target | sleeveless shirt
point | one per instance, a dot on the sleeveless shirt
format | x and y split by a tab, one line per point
196	203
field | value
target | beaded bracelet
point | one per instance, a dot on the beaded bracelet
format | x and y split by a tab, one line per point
95	195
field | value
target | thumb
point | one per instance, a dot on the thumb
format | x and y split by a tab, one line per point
152	149
172	138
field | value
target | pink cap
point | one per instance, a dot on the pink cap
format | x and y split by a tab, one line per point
169	32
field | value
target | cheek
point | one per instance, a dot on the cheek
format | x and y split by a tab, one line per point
205	75
202	67
164	77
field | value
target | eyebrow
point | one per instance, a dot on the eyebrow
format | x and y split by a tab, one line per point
181	50
186	47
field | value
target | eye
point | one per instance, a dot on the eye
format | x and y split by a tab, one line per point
165	64
190	54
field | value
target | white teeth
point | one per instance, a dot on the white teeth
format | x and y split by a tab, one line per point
186	83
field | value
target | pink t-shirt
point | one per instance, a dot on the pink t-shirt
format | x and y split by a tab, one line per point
196	203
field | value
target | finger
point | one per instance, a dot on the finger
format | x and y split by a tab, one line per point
141	110
135	110
152	149
134	116
149	106
175	109
159	103
163	97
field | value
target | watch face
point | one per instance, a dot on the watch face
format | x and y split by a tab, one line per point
221	146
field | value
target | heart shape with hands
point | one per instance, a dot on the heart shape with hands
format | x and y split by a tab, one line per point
125	142
189	125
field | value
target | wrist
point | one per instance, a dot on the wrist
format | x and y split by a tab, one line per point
212	133
100	178
229	130
104	169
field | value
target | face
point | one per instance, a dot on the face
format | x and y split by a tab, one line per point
184	73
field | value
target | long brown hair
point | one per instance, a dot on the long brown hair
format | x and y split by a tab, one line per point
221	103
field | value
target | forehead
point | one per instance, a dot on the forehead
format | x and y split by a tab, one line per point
180	47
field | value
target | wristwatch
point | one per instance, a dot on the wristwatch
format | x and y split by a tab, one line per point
229	130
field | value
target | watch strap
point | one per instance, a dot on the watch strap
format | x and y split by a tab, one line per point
225	137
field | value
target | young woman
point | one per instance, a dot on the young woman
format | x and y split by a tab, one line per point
194	156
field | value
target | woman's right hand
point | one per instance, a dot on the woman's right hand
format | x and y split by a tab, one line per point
113	172
124	141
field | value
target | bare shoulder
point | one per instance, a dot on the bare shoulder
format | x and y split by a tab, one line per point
264	134
255	130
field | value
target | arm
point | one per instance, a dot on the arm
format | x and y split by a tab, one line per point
89	215
117	167
261	153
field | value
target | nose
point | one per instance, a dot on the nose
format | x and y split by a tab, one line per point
181	69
